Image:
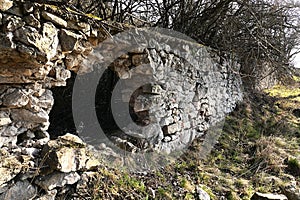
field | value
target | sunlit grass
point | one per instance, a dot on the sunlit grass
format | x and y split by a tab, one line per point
285	92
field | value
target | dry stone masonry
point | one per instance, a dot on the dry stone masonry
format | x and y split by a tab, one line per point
41	44
38	50
175	89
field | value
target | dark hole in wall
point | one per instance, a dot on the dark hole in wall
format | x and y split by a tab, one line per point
61	116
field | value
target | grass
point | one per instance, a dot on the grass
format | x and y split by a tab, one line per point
284	92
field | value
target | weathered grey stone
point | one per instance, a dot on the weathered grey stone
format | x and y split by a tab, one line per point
72	140
46	42
5	4
139	59
28	116
10	166
32	152
292	191
68	40
67	154
262	196
15	98
4	188
55	19
10	131
166	121
156	89
45	99
28	7
61	76
57	180
22	190
5	121
171	129
67	159
13	23
202	195
49	196
80	26
31	20
8	141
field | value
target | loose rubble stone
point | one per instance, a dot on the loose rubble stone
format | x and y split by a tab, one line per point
46	42
31	20
202	195
15	98
57	180
22	190
185	96
55	19
292	191
68	40
26	115
10	166
5	121
5	4
262	196
68	154
49	196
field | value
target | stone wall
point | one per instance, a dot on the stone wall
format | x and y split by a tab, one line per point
41	45
38	51
175	93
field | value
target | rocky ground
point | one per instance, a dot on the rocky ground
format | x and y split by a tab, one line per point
258	151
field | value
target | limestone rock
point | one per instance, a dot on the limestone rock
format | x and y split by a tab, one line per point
45	100
31	20
68	154
68	40
13	23
57	180
139	59
49	196
55	19
262	196
72	140
46	42
5	121
28	116
15	98
67	159
292	191
8	140
202	195
10	166
22	190
80	26
5	4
